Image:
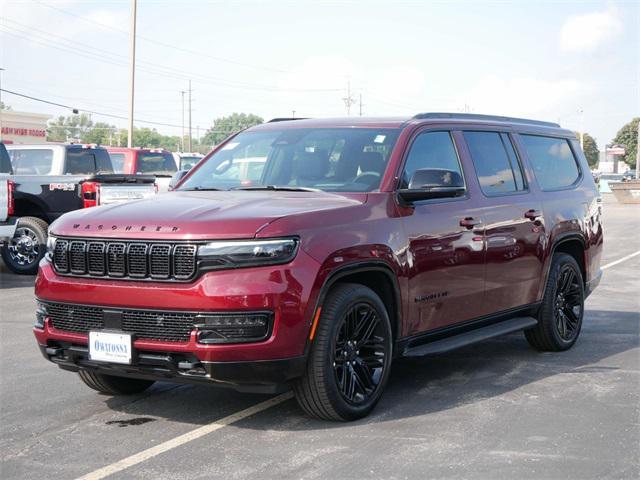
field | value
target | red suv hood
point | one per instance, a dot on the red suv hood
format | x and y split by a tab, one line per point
197	215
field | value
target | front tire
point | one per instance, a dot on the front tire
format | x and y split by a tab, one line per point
560	316
350	357
112	385
23	252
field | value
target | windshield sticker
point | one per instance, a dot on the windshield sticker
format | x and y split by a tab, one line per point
379	139
230	145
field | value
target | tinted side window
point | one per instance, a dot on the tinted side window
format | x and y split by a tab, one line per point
117	159
432	150
5	162
80	162
495	162
103	161
552	160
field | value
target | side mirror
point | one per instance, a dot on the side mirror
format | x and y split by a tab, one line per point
430	183
179	175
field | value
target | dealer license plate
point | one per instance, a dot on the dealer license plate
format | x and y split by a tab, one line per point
110	347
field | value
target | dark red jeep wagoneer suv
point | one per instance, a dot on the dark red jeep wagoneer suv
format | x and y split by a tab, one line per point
311	253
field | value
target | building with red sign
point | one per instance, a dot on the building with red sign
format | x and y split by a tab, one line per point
23	127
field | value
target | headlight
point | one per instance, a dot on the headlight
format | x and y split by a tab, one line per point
51	246
237	254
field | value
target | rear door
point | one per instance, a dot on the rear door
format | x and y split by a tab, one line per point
446	259
513	220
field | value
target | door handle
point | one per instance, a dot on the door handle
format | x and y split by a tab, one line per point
469	222
532	214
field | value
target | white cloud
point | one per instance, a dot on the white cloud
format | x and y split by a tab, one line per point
585	33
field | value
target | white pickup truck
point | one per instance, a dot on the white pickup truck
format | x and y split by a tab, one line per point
53	179
7	223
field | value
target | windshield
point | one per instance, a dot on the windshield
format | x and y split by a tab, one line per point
159	164
31	161
186	163
333	160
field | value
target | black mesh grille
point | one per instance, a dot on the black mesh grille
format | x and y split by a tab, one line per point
116	259
77	258
135	260
184	261
74	318
95	258
167	326
160	260
60	256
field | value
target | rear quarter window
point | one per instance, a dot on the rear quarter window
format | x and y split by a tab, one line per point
36	161
552	160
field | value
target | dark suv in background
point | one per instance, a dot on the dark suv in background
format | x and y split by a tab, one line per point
357	241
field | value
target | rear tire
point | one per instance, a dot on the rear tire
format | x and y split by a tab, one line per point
350	357
112	385
23	252
562	309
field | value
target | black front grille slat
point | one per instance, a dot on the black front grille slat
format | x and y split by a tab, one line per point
77	257
134	260
61	255
96	258
116	259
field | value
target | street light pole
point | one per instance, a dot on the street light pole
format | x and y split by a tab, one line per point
132	76
1	70
182	138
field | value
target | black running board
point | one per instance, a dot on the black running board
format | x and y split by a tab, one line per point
472	336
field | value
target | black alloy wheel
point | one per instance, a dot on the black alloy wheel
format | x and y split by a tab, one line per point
349	357
560	314
568	306
359	353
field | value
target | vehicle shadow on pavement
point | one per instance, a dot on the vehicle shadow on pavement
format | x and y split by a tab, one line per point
11	280
418	386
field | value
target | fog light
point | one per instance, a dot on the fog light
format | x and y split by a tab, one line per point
41	315
234	328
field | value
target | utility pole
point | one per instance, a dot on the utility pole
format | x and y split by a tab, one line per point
293	114
638	154
1	70
348	100
132	77
190	147
182	92
581	112
360	105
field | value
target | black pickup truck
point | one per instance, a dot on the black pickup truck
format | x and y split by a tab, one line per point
53	179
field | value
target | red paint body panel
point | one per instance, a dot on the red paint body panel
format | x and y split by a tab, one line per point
446	273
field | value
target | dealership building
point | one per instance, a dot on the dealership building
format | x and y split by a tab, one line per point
23	127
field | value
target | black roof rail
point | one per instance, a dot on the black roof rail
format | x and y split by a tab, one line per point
476	116
285	119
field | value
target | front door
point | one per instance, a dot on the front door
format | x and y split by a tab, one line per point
445	243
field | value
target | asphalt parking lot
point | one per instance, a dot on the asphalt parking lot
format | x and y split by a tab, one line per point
494	410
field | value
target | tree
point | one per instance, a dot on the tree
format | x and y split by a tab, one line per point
4	106
63	128
590	149
628	136
225	126
101	133
147	138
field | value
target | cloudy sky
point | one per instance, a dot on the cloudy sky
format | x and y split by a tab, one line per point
546	60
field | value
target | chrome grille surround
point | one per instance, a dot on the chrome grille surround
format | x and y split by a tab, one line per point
128	260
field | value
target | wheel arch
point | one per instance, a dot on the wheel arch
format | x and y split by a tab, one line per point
376	275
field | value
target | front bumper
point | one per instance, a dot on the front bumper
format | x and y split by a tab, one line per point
289	291
266	376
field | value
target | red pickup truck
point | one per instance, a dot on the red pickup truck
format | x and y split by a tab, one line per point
144	161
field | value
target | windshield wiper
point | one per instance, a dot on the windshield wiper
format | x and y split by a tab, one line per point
199	189
284	188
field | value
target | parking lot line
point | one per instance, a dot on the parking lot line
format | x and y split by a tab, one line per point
185	438
620	260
